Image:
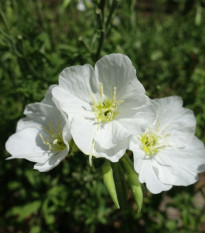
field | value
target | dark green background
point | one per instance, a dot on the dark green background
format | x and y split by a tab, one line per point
165	41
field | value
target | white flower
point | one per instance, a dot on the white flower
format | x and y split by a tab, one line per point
42	136
104	103
168	153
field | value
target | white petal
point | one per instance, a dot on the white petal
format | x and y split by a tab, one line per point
27	144
184	155
172	115
111	134
138	156
79	81
72	105
181	165
27	122
66	134
116	70
148	174
132	106
179	175
139	121
84	131
48	96
45	115
51	162
113	154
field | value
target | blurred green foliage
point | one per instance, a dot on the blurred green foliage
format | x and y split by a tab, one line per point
165	41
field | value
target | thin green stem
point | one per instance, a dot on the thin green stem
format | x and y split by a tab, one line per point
102	24
80	39
113	7
100	18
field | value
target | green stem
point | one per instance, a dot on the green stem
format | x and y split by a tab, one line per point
80	39
103	26
114	5
100	19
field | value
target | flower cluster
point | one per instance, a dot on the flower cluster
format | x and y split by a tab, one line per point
104	110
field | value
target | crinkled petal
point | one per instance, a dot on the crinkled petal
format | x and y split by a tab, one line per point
113	154
139	121
180	156
79	81
132	106
116	70
183	164
111	134
173	117
148	175
52	162
179	175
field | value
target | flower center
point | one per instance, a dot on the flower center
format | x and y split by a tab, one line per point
152	141
105	109
55	140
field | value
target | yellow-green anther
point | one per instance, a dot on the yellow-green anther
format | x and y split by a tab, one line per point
105	109
91	96
101	91
114	94
134	183
55	140
109	182
152	142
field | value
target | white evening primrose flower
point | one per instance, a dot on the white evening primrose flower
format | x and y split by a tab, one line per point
42	137
167	152
104	103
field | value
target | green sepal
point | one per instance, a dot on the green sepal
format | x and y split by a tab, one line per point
133	181
73	148
109	182
120	184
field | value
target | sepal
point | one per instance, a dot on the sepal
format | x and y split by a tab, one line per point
133	181
109	182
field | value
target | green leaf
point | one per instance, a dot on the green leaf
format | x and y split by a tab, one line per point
133	182
109	182
25	211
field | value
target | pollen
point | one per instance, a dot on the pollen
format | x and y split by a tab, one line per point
55	141
105	109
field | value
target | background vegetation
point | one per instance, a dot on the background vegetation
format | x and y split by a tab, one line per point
165	41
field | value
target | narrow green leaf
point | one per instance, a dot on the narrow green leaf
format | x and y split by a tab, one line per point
133	182
109	182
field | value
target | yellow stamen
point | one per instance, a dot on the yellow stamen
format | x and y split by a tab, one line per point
91	96
114	94
152	141
105	109
101	91
55	140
